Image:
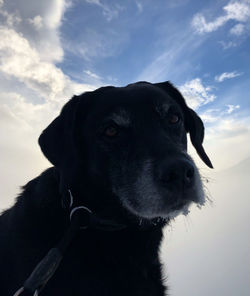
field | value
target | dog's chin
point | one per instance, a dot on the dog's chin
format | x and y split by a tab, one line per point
179	209
163	211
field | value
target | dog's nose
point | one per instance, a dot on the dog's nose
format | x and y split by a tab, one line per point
177	174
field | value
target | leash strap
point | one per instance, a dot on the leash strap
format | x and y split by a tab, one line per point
81	218
49	264
43	272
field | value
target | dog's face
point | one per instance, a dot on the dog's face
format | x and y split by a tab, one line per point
130	143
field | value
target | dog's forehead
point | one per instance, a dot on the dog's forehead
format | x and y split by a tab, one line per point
121	104
133	94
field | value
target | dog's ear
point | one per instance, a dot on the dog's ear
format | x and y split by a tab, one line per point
56	141
193	123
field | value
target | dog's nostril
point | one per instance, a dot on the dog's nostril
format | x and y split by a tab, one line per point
177	174
170	176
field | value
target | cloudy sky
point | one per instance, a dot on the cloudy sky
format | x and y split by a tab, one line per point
52	49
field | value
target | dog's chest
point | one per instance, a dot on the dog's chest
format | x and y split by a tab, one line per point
104	284
116	278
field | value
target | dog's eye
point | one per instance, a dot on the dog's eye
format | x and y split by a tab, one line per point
111	131
174	118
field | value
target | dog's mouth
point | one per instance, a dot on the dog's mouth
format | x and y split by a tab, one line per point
180	208
143	220
159	205
182	205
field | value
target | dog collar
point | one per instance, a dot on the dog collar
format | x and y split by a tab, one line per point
88	219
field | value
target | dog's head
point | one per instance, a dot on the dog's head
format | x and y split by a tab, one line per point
127	146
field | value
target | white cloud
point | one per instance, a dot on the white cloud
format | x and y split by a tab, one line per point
10	19
216	115
173	57
20	60
37	21
201	26
228	141
210	115
227	45
238	29
96	2
176	3
98	44
232	108
108	11
196	94
91	74
139	6
237	11
39	24
20	125
54	14
227	75
228	128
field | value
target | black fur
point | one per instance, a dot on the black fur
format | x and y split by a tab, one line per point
124	262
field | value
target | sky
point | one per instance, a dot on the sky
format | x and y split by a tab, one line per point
52	49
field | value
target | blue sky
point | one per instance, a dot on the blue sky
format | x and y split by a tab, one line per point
52	49
118	42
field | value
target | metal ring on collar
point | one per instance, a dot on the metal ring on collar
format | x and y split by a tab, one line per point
71	198
80	208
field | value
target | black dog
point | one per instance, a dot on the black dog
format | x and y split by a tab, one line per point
120	154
